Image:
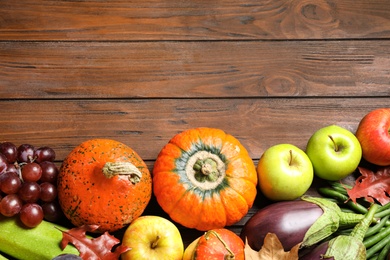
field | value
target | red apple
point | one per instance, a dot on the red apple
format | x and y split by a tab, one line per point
373	134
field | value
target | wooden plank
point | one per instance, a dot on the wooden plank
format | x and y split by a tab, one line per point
147	125
120	20
49	70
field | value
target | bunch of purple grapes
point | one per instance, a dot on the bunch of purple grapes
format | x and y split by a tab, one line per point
28	188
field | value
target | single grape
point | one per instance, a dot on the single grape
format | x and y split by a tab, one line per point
31	172
31	215
3	163
29	192
44	153
12	168
52	211
25	153
10	205
48	192
49	172
10	183
9	150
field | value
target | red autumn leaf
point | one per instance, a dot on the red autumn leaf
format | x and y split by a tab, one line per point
372	185
95	248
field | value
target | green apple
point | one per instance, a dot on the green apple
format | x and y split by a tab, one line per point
153	238
334	151
285	172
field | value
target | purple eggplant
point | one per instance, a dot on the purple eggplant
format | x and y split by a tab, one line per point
347	247
289	220
316	253
306	221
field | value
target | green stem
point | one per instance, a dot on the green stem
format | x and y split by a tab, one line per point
378	246
361	228
384	252
342	198
384	233
340	185
339	188
347	219
375	229
328	192
356	207
385	207
383	213
351	247
329	222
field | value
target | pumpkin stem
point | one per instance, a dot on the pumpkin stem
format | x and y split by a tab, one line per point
231	254
206	170
111	169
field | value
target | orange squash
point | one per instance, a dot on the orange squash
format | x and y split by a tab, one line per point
204	179
103	182
216	244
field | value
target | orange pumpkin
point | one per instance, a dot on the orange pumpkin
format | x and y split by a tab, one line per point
216	244
103	182
204	179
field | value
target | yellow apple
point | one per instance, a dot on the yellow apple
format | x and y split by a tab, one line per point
190	249
153	238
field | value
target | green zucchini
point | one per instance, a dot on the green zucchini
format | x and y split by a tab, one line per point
41	242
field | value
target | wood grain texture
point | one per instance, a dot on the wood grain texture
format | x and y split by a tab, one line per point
50	70
139	72
147	125
28	20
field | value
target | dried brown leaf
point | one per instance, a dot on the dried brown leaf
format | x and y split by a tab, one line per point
250	254
272	250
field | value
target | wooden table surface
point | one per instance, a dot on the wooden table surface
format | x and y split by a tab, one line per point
139	72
